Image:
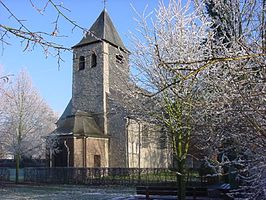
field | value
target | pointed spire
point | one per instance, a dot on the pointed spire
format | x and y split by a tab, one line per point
102	29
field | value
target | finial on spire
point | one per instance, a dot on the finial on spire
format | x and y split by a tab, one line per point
104	4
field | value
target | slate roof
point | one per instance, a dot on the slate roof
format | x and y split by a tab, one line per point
80	124
67	111
102	29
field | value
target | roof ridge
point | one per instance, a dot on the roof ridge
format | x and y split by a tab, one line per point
104	20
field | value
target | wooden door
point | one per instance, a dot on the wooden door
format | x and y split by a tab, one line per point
97	161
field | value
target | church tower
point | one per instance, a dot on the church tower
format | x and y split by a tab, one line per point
100	65
100	70
93	126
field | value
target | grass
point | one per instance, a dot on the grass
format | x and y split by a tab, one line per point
65	192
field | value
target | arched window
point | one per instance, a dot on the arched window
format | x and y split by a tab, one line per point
93	60
81	63
119	58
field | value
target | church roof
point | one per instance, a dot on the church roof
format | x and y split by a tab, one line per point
67	111
102	29
81	123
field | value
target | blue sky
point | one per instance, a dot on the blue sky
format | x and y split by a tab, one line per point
53	84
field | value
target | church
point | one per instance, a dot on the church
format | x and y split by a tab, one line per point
96	129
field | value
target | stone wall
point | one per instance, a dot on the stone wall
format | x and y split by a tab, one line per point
117	130
87	86
97	146
118	70
145	150
87	148
118	80
91	92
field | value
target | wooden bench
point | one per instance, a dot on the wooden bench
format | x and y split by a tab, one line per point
153	192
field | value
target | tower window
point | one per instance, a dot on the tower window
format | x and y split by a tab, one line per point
119	58
81	63
93	60
163	141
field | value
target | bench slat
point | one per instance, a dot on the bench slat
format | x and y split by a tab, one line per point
170	191
156	192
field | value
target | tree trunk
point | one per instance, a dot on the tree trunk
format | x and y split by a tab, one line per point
17	167
263	27
181	181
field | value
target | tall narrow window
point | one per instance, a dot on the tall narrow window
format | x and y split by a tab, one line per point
162	141
145	136
93	60
81	63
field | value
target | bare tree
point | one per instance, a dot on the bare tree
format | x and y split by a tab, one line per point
25	120
30	38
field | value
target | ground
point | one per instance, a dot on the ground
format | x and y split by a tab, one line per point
65	192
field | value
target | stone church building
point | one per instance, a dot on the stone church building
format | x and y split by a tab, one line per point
95	129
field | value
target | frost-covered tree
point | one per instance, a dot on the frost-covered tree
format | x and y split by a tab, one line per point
25	120
207	77
240	87
166	64
3	83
